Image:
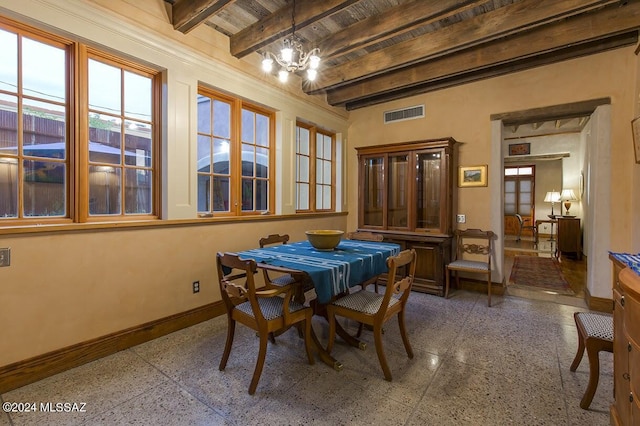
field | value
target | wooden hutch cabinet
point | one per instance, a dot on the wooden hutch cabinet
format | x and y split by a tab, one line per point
406	192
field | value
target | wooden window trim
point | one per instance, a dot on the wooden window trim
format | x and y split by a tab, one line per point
85	54
313	158
235	151
77	152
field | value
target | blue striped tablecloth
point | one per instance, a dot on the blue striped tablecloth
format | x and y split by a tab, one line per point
332	272
630	260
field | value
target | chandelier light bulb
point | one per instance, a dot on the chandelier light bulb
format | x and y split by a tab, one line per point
267	64
287	54
311	74
314	62
283	76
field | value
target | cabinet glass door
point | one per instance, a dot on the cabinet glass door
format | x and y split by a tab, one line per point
373	197
428	190
397	204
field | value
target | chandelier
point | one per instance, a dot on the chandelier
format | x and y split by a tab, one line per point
292	57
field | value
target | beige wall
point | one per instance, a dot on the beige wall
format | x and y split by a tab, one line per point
464	112
66	288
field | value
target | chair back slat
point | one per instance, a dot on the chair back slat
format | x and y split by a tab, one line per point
474	242
273	239
396	284
233	293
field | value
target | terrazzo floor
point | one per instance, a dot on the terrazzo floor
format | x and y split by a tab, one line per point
473	365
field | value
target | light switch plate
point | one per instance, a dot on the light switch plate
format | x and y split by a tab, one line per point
5	257
461	218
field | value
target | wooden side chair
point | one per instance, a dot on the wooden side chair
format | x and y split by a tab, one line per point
375	309
474	249
595	333
283	279
264	311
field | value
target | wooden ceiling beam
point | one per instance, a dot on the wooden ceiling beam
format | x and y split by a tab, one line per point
521	16
278	24
552	37
187	14
395	22
564	53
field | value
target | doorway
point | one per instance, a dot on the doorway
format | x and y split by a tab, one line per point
590	159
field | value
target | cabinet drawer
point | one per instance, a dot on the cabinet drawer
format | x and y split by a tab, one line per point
632	319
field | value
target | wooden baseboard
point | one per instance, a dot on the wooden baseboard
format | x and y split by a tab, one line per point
22	373
599	304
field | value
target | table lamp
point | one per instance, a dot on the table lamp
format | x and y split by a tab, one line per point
568	196
552	197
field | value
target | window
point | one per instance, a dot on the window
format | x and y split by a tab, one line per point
34	154
519	191
235	176
59	169
315	175
121	148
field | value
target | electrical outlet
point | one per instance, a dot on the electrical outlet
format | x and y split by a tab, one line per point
5	257
196	287
461	218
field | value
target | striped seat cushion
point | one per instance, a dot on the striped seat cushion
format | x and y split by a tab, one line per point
469	264
271	307
364	301
598	325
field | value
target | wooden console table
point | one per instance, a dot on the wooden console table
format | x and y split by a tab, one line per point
569	236
540	222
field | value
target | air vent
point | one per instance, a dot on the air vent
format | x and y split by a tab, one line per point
410	113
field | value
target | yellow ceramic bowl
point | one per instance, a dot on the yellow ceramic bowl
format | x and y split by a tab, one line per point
324	239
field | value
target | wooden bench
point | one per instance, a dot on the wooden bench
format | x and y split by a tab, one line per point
595	333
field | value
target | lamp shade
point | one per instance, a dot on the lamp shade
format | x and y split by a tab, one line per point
568	195
552	197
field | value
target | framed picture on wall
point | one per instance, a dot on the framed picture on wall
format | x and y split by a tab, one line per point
519	149
635	128
472	176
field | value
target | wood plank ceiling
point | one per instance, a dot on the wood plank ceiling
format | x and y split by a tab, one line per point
378	50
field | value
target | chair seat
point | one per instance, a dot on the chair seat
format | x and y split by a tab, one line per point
364	301
596	325
283	280
595	334
469	264
271	308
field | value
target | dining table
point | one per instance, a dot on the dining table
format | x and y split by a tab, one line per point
332	273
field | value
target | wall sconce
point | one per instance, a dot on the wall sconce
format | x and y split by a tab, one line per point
568	196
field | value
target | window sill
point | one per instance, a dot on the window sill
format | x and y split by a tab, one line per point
91	226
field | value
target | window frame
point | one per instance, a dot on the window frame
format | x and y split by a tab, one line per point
313	159
77	129
237	105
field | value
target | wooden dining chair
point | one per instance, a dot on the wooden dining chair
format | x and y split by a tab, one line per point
285	278
474	249
265	311
375	309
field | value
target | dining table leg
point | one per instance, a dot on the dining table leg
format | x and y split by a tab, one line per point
321	310
323	354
